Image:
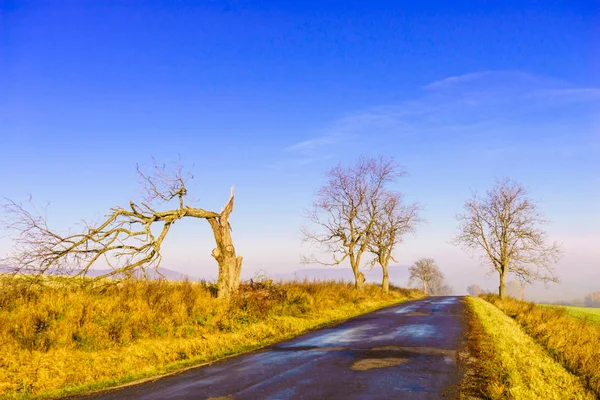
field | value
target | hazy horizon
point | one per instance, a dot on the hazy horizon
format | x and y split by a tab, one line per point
268	96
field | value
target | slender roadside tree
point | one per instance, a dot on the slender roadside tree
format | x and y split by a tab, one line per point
425	273
346	209
129	240
505	226
394	220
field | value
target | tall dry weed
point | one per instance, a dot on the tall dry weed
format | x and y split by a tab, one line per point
56	333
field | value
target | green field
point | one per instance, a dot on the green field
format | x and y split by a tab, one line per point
587	313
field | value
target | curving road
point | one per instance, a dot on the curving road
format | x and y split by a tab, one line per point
408	351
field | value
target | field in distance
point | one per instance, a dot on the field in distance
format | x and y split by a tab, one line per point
588	313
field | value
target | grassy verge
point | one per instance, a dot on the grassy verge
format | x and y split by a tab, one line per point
572	341
509	364
588	314
57	338
477	358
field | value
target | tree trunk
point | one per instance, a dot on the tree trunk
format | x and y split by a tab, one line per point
359	278
425	286
385	282
502	288
230	268
230	265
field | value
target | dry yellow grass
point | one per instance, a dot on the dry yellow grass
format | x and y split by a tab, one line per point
589	314
513	365
57	338
572	341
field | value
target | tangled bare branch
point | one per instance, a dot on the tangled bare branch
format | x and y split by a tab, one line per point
128	240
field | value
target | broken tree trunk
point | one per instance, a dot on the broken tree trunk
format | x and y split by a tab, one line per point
230	265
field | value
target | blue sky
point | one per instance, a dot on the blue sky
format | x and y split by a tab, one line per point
267	96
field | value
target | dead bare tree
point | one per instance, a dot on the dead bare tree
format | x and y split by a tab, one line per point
393	221
129	240
346	210
505	225
426	274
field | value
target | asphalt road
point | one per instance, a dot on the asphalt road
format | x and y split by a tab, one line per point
408	351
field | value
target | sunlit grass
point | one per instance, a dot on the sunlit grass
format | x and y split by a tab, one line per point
511	365
572	341
586	313
58	338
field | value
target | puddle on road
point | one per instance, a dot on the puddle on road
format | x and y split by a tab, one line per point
413	330
450	300
409	309
449	360
372	363
340	336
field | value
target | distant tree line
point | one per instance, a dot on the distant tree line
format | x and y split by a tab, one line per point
592	299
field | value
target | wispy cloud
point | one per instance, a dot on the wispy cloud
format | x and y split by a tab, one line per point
314	143
471	105
343	130
459	79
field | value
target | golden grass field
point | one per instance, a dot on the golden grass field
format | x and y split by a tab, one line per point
572	341
59	338
586	313
511	364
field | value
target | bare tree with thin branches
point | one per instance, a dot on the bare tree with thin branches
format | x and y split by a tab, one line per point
393	221
129	240
346	210
425	273
505	225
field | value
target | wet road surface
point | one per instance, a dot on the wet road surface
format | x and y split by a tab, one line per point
407	351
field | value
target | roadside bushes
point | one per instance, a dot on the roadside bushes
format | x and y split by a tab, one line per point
571	341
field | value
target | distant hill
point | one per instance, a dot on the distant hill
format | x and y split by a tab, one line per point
152	274
398	274
167	273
